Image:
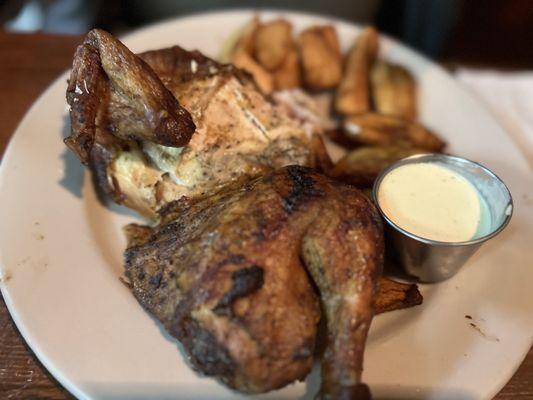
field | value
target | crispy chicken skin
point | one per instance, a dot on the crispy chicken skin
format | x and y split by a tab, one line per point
109	86
169	123
226	275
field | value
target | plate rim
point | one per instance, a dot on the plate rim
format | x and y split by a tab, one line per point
37	103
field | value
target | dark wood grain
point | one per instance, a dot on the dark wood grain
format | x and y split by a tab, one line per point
29	63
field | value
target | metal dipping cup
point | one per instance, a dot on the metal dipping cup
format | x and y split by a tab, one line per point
434	261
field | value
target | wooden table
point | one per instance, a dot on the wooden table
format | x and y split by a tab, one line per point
28	64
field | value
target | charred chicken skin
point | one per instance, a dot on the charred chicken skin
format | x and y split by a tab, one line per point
227	276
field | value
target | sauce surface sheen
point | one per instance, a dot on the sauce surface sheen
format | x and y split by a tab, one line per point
433	202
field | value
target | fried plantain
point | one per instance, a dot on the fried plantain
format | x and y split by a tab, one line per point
361	166
394	295
383	130
273	42
288	76
242	57
393	90
320	56
353	93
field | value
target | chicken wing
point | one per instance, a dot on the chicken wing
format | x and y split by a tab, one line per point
111	86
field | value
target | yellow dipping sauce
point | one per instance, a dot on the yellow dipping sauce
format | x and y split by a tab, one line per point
433	202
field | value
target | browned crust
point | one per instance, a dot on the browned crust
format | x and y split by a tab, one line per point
353	93
174	63
102	63
383	130
394	295
394	90
86	71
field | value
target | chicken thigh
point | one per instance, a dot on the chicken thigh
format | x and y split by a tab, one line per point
228	276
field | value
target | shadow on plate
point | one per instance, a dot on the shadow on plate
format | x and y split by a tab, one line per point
414	393
73	169
74	178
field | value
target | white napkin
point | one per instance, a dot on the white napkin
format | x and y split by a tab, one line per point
509	96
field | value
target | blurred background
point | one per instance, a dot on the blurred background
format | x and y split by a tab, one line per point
498	33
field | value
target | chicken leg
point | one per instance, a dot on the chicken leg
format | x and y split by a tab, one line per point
227	275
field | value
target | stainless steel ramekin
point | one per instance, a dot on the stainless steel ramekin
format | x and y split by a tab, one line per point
434	261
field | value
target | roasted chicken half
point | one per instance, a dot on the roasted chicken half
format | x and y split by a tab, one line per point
169	123
227	275
252	248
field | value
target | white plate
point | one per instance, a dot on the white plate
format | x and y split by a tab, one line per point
61	256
